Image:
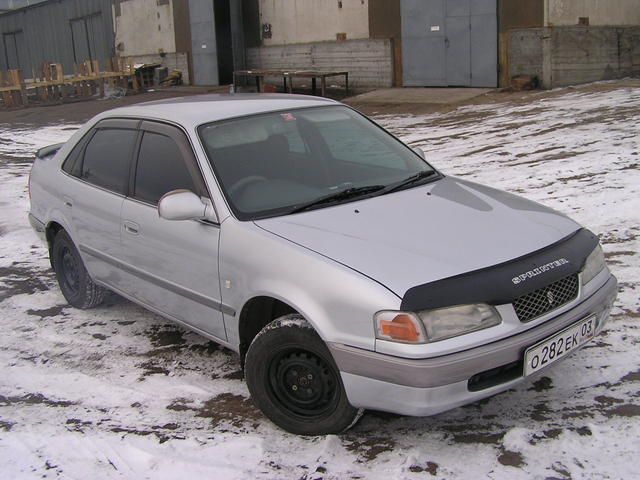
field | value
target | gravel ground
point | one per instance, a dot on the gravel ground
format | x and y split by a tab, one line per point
117	392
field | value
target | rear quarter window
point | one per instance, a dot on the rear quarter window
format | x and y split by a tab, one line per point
73	162
107	158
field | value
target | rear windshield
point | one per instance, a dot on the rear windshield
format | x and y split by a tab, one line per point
270	164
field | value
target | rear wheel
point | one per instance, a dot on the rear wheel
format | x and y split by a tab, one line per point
294	381
73	278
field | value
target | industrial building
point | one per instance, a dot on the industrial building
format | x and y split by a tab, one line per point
381	43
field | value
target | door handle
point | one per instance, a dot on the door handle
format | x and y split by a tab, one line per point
131	227
446	42
67	201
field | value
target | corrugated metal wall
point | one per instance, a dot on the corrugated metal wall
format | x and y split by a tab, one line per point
58	31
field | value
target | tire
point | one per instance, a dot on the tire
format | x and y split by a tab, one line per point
73	278
294	380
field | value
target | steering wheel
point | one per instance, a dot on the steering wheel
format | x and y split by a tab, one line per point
245	182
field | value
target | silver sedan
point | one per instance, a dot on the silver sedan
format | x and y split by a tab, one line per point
346	271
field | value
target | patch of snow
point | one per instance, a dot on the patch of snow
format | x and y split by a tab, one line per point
117	392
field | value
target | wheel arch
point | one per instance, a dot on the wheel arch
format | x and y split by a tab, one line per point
51	230
257	313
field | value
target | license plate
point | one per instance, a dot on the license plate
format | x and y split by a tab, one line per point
559	345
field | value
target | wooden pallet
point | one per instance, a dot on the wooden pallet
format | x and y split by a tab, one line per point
50	82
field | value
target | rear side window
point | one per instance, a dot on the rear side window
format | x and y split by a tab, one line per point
107	157
161	168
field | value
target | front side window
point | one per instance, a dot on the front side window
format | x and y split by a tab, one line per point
161	168
107	157
281	162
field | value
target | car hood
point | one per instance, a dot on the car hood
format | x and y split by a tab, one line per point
427	233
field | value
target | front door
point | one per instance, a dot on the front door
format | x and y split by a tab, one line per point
171	266
449	43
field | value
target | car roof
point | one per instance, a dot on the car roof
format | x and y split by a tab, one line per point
195	110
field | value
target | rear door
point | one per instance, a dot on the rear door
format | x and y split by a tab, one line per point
171	266
99	166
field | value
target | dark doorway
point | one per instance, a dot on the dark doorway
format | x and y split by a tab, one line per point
15	51
224	46
87	36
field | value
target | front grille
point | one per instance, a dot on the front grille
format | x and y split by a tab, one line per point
541	301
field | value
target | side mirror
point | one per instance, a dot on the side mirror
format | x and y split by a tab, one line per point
185	205
420	152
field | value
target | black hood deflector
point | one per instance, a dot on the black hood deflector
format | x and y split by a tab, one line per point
504	283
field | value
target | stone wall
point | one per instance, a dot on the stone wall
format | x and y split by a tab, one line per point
561	56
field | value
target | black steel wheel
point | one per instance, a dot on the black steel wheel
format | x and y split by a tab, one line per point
74	280
302	382
294	381
70	270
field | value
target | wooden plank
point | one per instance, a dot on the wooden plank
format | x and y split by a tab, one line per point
17	80
59	76
503	39
396	51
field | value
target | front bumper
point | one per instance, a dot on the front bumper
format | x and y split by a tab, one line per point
429	386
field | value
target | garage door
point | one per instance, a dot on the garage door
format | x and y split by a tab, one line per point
449	43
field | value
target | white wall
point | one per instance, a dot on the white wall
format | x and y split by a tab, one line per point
144	27
600	12
303	21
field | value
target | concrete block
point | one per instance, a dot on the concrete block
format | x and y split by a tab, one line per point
369	62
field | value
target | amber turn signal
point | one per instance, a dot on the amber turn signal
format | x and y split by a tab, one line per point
399	327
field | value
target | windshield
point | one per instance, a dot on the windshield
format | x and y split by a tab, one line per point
284	162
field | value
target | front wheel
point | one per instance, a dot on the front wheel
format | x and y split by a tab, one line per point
295	382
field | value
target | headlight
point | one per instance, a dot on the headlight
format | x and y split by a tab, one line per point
434	325
593	265
453	321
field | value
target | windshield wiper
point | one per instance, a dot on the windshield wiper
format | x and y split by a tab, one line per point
354	192
416	177
339	196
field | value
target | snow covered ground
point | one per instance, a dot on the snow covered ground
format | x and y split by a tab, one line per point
118	392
